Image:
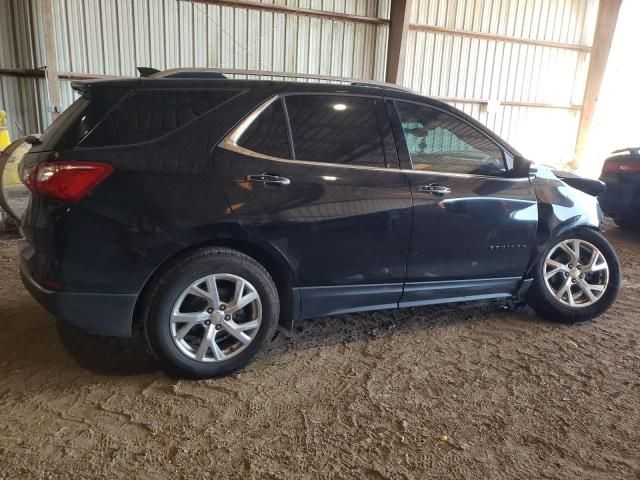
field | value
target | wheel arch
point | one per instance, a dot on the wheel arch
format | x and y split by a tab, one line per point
268	256
550	227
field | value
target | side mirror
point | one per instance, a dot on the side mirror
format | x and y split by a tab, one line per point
521	168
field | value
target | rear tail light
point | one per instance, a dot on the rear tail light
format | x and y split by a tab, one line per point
65	181
621	166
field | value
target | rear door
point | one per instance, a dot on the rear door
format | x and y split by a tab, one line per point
474	226
327	192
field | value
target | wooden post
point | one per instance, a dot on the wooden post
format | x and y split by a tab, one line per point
51	57
602	38
397	43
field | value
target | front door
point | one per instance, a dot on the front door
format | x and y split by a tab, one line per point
321	193
473	226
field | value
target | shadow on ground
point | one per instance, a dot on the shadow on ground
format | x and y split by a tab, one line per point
113	356
107	355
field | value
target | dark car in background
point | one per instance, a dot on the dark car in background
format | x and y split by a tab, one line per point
208	212
621	199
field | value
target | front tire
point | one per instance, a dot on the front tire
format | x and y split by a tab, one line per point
577	278
210	312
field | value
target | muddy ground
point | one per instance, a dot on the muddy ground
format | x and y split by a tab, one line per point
351	396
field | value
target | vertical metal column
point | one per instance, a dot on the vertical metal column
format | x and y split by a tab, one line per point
397	44
605	27
51	56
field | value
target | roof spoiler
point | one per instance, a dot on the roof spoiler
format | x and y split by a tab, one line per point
147	71
630	150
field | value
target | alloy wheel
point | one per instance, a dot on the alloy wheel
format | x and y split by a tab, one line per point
576	273
216	317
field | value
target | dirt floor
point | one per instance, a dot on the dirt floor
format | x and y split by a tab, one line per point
352	396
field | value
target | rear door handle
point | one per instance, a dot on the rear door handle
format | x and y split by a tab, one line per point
268	179
434	188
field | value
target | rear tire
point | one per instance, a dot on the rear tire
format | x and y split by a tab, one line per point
563	296
210	312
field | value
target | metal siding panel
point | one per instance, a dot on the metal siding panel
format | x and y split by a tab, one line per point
93	24
109	38
279	41
7	36
22	47
169	26
450	66
155	35
381	38
114	36
22	99
126	39
314	45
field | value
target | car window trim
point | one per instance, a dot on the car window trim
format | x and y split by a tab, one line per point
503	151
292	149
229	143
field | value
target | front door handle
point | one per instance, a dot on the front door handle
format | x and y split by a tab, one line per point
434	188
268	179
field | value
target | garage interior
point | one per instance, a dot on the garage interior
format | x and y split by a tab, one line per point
482	390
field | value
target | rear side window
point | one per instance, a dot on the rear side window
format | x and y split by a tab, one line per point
440	142
267	134
335	129
147	115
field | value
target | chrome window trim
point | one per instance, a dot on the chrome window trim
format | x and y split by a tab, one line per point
230	143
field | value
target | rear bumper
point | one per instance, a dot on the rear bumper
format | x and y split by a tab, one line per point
95	313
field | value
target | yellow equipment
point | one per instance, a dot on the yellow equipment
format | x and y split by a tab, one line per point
5	139
10	175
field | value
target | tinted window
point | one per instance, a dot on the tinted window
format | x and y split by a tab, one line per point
440	142
335	129
63	133
149	114
267	134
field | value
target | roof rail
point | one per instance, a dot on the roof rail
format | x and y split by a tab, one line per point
220	73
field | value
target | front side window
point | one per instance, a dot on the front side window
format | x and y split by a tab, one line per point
440	142
335	129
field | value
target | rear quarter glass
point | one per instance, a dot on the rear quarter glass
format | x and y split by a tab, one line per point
150	114
80	118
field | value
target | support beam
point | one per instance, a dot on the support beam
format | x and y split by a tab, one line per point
499	38
605	27
307	12
51	57
397	43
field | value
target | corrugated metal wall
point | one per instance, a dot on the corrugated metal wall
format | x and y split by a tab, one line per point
112	37
462	67
24	99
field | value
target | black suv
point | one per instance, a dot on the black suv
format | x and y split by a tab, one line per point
208	212
621	199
